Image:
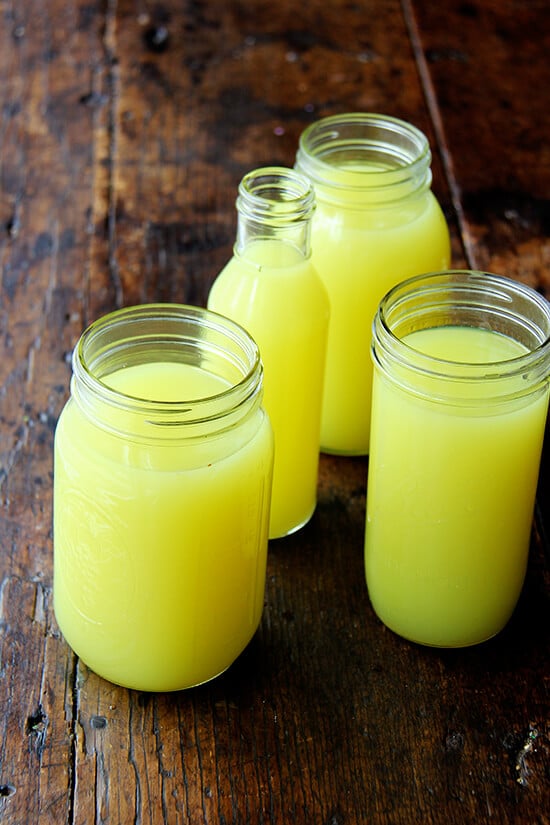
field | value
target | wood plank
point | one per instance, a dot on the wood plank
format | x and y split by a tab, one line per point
124	130
50	57
230	88
488	67
35	708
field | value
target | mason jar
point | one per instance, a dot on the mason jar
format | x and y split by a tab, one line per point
377	222
460	399
162	481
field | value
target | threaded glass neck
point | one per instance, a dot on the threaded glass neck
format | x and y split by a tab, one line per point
466	299
160	333
275	203
364	159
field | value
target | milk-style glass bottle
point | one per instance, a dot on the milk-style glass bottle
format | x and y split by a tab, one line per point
377	222
271	288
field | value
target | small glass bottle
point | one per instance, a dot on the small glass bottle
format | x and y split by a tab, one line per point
271	288
460	398
377	222
162	478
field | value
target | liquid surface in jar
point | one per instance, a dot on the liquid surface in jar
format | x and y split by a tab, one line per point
166	381
465	345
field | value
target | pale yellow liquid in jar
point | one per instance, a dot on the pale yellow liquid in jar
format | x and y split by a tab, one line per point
360	254
450	501
159	548
277	296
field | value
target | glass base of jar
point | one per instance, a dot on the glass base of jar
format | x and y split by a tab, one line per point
344	453
159	683
159	687
441	645
294	529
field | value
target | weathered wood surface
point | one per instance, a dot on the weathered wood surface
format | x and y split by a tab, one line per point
125	126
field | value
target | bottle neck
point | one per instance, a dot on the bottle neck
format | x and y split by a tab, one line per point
275	204
364	160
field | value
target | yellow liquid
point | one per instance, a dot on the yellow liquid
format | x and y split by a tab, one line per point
160	547
450	501
279	299
360	255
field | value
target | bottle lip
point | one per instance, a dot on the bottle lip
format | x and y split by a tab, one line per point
464	298
363	151
174	332
276	195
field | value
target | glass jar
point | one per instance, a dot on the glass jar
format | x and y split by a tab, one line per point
271	287
460	398
163	461
377	222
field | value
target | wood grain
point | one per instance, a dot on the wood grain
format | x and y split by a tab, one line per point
125	127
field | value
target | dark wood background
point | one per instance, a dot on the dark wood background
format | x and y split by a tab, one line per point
125	127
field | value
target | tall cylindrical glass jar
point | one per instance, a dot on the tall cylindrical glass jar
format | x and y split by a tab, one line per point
162	479
377	222
460	398
271	287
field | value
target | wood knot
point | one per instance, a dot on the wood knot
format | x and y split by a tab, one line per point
156	38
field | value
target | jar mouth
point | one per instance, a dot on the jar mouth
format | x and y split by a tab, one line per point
275	204
275	193
176	333
364	151
465	298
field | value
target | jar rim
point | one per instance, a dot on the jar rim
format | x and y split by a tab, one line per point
482	300
169	329
277	193
396	149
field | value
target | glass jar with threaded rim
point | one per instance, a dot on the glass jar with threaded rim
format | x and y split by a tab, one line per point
162	480
377	222
460	400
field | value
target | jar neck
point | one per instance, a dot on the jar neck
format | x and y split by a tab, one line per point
166	333
275	204
462	298
366	160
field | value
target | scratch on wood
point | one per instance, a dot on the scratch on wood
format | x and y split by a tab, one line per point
3	585
132	761
30	360
159	747
51	249
101	789
36	728
74	711
22	434
522	770
40	612
13	225
4	625
110	47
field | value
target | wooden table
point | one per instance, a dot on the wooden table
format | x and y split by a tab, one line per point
125	127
